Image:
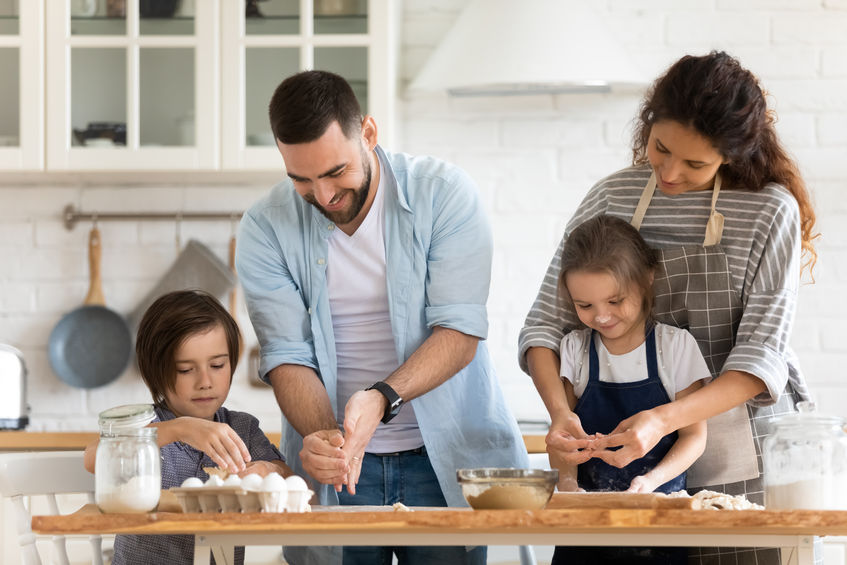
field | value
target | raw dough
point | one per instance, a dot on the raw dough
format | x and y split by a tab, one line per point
510	497
712	500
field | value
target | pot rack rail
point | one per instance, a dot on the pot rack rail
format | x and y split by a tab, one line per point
72	216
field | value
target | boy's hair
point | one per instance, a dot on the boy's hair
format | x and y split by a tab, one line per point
166	324
305	104
606	244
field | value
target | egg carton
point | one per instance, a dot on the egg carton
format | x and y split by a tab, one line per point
237	499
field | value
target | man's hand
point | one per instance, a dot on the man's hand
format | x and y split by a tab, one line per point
323	458
215	439
362	415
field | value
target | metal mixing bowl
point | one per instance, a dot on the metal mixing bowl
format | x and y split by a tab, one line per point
511	489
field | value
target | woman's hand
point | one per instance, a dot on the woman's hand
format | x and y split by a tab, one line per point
635	436
215	439
567	443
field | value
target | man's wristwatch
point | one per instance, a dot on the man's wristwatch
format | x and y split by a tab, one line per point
394	400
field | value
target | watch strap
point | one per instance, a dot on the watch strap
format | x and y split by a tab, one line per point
394	400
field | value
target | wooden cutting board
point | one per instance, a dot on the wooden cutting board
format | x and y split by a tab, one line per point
621	500
559	500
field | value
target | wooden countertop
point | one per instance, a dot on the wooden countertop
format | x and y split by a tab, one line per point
71	441
369	520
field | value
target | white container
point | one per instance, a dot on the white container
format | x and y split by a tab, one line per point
805	462
128	475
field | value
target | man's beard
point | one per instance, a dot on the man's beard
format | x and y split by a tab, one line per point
360	196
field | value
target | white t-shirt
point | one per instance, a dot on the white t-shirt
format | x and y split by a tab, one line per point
364	341
680	362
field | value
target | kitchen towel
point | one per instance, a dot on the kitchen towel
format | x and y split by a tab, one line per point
196	267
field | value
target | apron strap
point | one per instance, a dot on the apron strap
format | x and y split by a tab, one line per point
646	197
714	226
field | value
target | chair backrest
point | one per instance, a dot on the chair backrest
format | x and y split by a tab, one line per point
45	473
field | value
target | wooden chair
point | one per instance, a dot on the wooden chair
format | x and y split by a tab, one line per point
45	474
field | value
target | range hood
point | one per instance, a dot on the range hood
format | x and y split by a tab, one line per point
508	47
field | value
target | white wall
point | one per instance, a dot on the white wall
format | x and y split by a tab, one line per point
533	158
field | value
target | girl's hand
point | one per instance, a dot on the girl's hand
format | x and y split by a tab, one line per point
215	439
642	483
636	436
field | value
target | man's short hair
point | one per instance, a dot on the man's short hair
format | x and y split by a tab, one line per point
304	105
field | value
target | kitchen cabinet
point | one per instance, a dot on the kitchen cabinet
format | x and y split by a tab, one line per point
165	85
132	90
22	87
353	38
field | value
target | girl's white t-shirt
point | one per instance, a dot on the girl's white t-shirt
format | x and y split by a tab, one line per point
680	362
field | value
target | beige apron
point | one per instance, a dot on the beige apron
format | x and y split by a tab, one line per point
693	291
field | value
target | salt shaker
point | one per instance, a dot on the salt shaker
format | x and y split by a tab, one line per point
805	461
128	470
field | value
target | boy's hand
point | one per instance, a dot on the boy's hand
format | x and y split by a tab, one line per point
215	439
261	468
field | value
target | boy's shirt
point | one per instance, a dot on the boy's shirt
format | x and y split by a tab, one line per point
179	462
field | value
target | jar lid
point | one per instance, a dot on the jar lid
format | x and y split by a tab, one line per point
128	416
807	415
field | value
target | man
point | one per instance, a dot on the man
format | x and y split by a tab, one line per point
366	275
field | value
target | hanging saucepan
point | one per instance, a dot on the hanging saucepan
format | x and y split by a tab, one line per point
90	346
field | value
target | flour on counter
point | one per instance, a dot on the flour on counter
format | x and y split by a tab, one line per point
711	500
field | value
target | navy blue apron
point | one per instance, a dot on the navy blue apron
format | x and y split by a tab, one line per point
601	408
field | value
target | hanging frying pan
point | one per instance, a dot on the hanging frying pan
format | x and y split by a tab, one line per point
90	346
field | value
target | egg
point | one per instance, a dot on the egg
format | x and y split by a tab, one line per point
232	481
251	482
273	482
296	483
214	481
192	482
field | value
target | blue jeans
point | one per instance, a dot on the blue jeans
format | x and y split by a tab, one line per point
406	477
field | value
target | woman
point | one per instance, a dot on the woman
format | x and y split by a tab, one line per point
733	223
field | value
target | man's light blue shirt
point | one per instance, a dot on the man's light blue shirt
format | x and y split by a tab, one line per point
438	250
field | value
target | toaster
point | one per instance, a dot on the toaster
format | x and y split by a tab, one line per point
13	407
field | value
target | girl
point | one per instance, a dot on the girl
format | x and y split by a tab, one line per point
187	349
620	364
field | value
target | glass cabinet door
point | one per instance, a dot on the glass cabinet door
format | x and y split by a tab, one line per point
22	88
133	84
264	41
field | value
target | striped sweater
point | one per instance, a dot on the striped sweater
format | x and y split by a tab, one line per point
761	238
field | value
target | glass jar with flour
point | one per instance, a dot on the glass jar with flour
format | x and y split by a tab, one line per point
805	462
128	470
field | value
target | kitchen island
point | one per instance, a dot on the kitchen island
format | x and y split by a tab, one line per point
369	525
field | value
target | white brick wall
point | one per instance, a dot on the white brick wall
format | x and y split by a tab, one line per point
533	158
